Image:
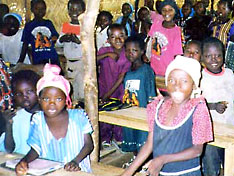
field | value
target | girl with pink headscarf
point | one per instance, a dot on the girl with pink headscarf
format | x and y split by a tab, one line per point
58	133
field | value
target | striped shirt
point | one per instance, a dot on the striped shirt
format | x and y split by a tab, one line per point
64	149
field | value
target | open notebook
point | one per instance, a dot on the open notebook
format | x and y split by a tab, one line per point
38	166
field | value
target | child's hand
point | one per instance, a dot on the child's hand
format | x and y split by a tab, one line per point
113	55
72	166
21	168
221	107
8	115
154	166
75	39
65	38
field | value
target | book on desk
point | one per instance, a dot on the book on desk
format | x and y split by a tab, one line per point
38	166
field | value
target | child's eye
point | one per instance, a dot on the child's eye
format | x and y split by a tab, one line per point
30	91
45	99
59	99
18	94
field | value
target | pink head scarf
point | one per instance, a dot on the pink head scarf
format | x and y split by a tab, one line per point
52	78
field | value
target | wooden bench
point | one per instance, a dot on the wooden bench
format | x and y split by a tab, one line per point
135	117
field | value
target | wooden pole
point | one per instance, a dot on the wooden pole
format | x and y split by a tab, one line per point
87	21
27	5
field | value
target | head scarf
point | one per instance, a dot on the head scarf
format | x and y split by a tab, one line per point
52	78
189	65
17	16
172	3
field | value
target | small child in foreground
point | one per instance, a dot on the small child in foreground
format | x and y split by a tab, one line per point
57	133
179	125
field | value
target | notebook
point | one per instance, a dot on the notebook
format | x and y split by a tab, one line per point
38	166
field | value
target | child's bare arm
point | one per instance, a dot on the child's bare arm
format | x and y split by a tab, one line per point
9	142
144	153
22	167
23	52
116	85
86	150
75	39
155	165
65	38
220	107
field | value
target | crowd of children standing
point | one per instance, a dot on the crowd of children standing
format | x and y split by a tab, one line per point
184	46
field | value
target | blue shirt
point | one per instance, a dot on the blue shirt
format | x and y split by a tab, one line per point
64	149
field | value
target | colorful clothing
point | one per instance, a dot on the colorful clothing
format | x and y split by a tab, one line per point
10	48
192	126
39	34
224	31
73	54
139	89
64	149
216	88
110	71
165	45
5	87
20	127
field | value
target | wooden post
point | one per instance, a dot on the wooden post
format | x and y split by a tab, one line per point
27	5
87	21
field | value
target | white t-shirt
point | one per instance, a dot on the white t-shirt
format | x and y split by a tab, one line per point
10	48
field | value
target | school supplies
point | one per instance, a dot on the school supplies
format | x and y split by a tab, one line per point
229	58
38	166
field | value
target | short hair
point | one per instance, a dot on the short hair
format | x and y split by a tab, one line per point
24	75
136	39
228	2
80	2
212	41
105	13
34	2
4	9
196	42
116	26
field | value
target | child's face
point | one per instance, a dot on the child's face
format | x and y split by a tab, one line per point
104	21
223	10
117	37
213	58
52	101
25	95
74	10
180	86
133	51
12	25
39	10
144	15
126	10
192	50
200	8
186	10
168	13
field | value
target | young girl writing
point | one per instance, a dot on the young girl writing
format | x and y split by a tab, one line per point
58	133
179	125
139	84
217	87
165	39
113	66
41	35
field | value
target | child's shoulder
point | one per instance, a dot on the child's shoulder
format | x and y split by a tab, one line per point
77	113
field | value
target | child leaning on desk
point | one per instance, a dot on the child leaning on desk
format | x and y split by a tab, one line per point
58	133
179	125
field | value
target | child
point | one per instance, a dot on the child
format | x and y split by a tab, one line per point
126	20
139	81
10	43
17	127
217	87
113	66
197	26
222	26
70	40
165	39
58	133
193	49
104	19
41	35
179	125
143	23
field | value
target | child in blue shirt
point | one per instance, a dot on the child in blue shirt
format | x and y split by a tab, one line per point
139	85
41	35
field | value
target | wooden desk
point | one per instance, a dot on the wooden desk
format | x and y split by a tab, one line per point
98	169
135	117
